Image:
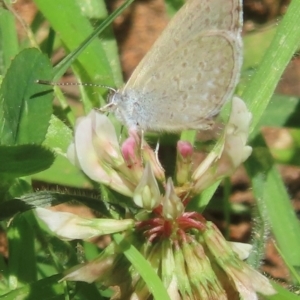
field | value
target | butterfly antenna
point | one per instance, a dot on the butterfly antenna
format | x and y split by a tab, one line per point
46	82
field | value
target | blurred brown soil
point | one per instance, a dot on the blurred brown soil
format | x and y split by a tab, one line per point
137	29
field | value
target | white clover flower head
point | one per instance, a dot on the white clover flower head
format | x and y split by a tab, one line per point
188	252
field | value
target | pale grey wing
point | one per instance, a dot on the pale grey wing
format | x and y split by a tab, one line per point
191	84
195	18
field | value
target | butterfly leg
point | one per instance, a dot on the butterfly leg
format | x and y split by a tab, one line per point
107	108
156	151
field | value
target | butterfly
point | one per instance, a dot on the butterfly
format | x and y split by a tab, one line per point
189	73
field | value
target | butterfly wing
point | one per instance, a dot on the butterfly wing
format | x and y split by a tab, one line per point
191	70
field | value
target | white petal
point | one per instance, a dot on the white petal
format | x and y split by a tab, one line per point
67	226
105	139
241	249
240	115
90	271
72	155
242	284
104	128
249	281
173	289
237	132
86	154
261	283
205	165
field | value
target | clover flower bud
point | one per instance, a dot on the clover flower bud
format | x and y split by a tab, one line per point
183	162
172	204
147	194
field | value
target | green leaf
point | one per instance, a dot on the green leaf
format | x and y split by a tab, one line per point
86	291
58	138
273	202
281	111
253	54
282	294
46	289
17	161
10	188
25	107
173	6
200	202
93	65
258	92
21	236
17	187
268	188
8	39
93	60
144	268
46	199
